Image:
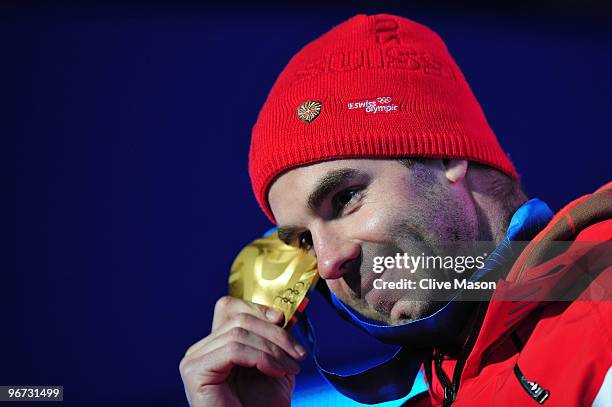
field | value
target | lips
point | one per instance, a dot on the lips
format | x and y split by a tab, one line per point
359	280
383	300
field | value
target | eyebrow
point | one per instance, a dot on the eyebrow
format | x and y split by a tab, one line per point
328	183
325	186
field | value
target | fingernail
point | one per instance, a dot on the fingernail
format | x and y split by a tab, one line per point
300	350
272	314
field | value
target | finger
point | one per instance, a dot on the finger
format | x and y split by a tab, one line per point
226	307
215	367
251	339
267	330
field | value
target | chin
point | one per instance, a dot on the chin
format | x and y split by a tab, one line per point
407	311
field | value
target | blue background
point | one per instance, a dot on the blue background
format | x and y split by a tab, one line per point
128	129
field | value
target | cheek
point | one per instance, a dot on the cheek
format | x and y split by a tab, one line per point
336	286
374	224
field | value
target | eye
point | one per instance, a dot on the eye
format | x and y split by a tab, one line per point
344	198
305	241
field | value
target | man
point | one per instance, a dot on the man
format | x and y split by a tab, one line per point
371	144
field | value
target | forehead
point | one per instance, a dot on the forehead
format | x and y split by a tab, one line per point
289	192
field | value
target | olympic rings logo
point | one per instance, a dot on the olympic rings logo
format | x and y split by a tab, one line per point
384	99
289	296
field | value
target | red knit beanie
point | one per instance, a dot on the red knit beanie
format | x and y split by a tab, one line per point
377	86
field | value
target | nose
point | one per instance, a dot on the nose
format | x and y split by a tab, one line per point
335	252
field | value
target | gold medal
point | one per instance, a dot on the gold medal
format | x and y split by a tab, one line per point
271	273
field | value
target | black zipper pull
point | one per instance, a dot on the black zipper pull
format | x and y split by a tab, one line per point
451	387
449	396
533	389
450	393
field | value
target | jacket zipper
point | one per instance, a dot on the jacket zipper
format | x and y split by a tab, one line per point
452	387
450	391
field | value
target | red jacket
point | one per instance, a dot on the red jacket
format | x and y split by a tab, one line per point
529	353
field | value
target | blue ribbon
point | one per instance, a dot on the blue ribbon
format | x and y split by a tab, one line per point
393	378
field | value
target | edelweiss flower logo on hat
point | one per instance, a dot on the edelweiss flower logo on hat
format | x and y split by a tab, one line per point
308	111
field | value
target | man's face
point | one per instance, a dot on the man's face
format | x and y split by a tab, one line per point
347	212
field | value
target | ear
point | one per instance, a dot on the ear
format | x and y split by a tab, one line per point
455	170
